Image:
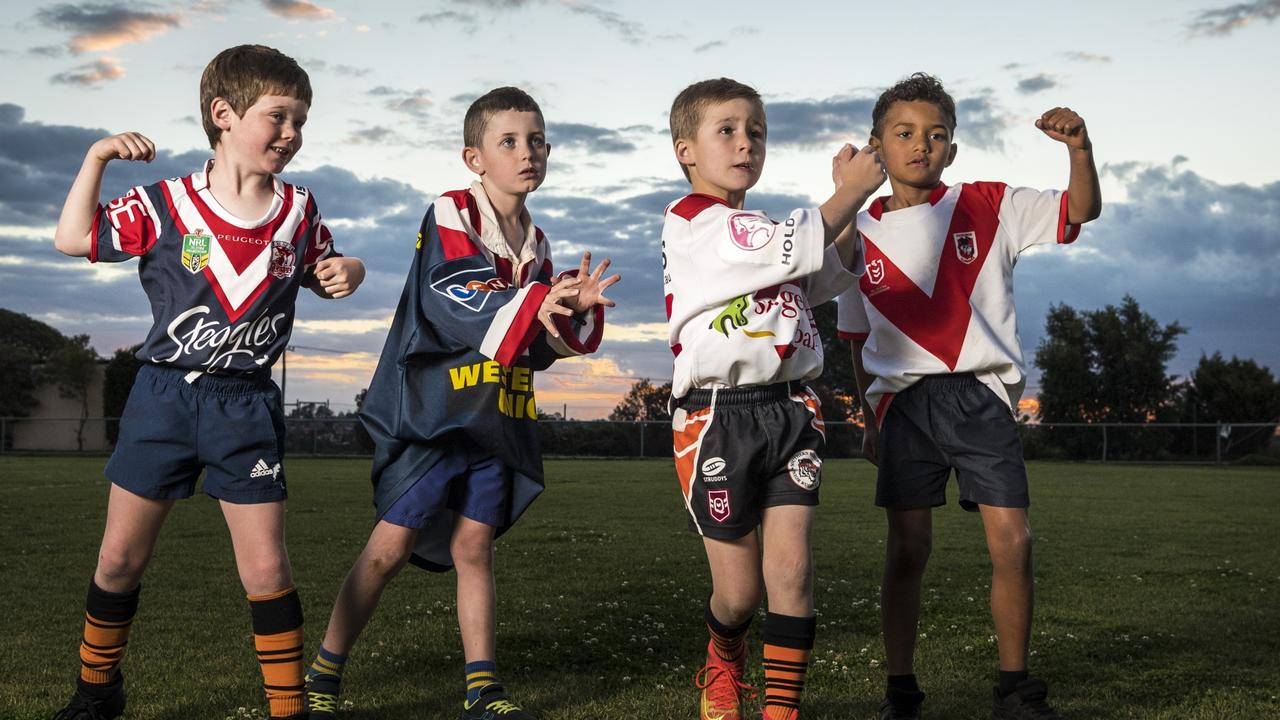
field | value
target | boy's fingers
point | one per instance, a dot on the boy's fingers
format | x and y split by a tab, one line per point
604	264
585	266
609	281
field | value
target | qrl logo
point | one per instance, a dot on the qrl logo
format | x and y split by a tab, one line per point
875	271
718	505
750	232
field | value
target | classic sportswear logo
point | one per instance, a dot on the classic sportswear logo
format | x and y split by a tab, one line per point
750	232
262	469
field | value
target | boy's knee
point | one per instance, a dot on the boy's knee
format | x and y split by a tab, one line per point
472	550
120	565
736	604
266	574
909	551
386	562
1012	545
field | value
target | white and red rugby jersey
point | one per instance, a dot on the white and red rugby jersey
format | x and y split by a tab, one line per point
222	289
937	292
738	290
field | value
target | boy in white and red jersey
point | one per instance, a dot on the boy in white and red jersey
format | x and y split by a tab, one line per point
222	253
939	366
747	431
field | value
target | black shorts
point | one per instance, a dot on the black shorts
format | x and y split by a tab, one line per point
944	422
742	450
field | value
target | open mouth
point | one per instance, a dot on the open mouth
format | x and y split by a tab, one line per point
282	152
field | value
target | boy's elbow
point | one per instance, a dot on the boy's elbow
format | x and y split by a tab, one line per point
72	246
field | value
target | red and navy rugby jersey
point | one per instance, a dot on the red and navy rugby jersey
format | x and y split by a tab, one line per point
222	290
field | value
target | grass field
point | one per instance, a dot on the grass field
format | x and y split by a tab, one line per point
1158	597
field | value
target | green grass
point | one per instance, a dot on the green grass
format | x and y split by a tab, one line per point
1158	597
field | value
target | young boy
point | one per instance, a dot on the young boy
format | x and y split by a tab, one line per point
451	404
747	431
939	365
223	252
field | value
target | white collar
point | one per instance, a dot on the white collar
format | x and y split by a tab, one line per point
491	231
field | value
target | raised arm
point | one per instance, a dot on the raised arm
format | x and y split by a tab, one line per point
74	233
1084	197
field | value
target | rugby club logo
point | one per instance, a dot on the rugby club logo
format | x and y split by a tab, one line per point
750	232
470	288
805	468
875	271
718	505
195	251
966	246
283	259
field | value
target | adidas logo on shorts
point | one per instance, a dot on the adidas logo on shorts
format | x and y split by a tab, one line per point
262	469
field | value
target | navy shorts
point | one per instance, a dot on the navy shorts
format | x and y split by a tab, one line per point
741	450
232	428
467	480
946	422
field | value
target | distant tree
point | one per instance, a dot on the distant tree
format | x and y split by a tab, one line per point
1235	390
27	333
117	382
644	401
25	345
1108	365
836	387
72	367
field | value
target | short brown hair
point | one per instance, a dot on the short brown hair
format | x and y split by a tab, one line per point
687	108
919	87
242	74
495	101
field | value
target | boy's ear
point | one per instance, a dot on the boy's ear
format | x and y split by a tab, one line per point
471	158
685	154
222	113
951	156
874	142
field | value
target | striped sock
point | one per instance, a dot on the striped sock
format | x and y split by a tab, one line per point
788	642
328	665
107	619
480	674
277	636
730	642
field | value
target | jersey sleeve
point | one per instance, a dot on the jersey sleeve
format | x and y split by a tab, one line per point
851	319
465	298
319	239
736	251
126	227
834	278
1036	217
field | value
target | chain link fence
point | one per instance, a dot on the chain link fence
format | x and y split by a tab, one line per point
1110	442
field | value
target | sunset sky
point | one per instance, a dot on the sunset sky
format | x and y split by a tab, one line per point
1179	98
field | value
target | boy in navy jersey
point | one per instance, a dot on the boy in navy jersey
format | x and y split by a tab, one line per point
222	253
451	405
938	364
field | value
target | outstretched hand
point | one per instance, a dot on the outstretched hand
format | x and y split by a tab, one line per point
1066	126
554	303
591	286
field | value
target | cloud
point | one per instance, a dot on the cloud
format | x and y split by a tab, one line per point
47	51
91	74
588	137
836	120
1087	57
320	66
708	46
1036	83
630	30
297	9
980	121
1226	20
378	135
104	26
469	21
414	103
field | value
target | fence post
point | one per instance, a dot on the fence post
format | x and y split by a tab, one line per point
315	438
641	424
1217	443
1104	443
4	436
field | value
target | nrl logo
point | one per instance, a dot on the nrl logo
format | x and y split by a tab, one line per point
195	251
718	504
283	259
875	271
750	232
966	246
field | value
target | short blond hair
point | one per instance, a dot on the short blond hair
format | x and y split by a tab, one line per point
692	102
242	74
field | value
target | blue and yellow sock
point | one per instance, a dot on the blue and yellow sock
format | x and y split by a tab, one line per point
480	675
327	663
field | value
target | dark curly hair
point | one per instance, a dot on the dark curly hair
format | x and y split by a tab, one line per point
920	86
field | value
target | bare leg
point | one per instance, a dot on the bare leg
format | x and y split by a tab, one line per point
907	550
736	580
386	553
1012	582
472	551
257	537
788	568
129	540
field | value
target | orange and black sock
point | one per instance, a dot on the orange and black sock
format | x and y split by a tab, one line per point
788	642
729	642
277	636
107	619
